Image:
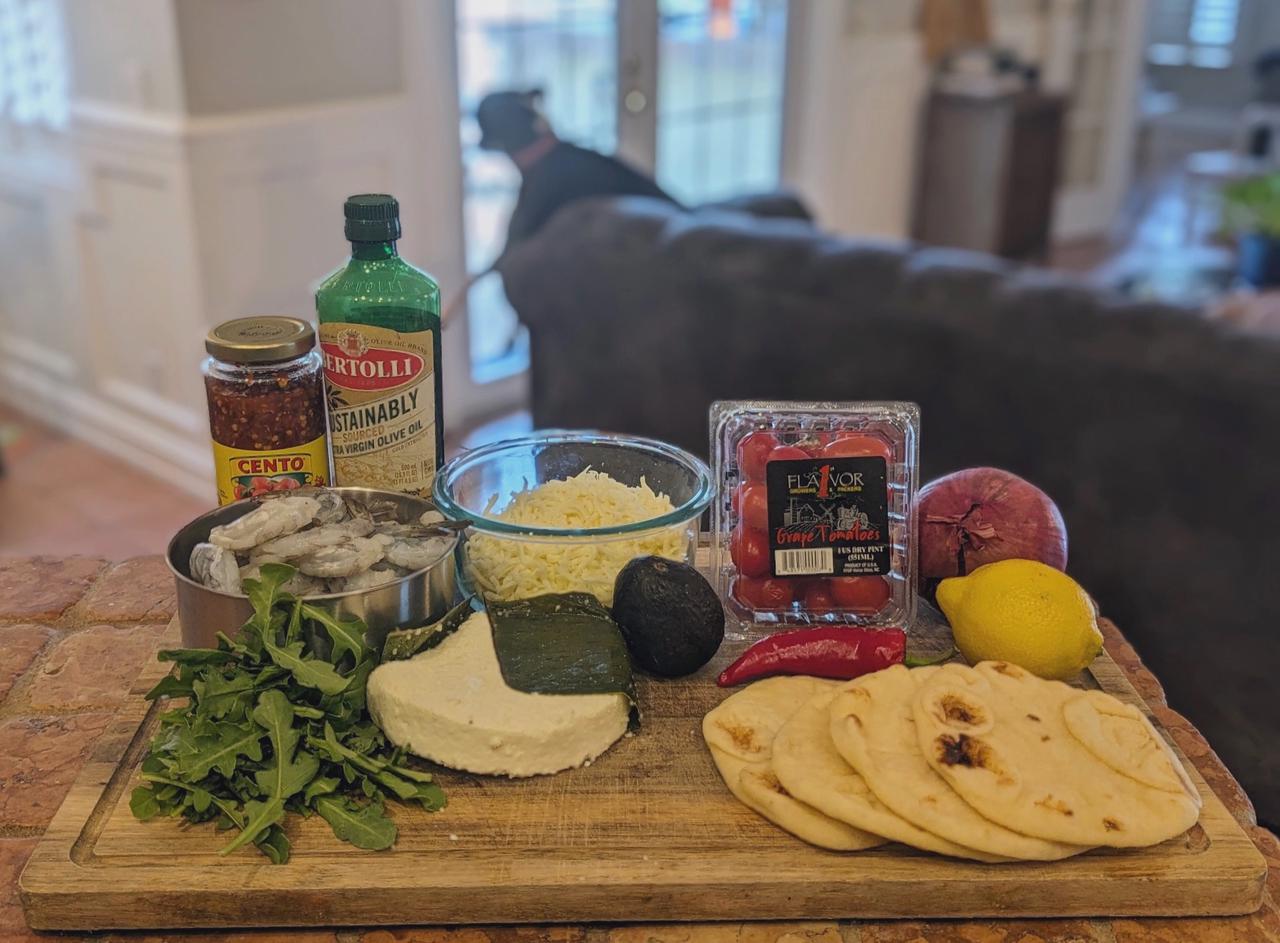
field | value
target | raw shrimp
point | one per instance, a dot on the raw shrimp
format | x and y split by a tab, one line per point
298	585
268	520
416	553
344	559
367	580
307	541
215	567
333	507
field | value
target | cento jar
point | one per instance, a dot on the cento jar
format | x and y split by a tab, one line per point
264	381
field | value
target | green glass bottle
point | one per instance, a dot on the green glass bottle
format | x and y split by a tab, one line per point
379	325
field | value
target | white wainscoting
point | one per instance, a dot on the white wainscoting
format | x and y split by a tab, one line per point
126	237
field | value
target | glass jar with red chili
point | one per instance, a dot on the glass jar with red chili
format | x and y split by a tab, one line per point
264	381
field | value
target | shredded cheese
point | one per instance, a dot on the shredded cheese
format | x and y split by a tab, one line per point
517	567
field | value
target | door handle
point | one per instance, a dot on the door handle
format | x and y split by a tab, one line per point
635	101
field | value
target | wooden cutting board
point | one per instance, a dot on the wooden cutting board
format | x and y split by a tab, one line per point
646	833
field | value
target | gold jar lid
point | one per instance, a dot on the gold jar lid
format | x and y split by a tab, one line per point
262	339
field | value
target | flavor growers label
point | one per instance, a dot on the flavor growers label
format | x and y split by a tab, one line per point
382	410
828	516
243	473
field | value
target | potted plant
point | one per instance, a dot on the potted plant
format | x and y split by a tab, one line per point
1251	209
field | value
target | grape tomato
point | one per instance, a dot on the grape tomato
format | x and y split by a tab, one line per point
753	452
753	506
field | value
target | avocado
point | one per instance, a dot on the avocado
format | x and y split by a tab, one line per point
669	614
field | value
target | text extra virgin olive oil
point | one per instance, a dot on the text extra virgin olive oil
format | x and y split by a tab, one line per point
380	336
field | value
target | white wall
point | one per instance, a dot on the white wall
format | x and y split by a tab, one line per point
857	81
125	53
252	54
126	236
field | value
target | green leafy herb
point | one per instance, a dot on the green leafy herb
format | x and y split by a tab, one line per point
403	644
274	724
365	826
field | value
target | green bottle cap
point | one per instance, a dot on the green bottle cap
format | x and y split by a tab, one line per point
372	217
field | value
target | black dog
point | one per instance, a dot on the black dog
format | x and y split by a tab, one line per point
553	172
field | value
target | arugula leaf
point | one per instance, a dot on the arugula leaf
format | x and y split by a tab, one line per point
286	775
195	657
219	695
143	803
264	592
403	644
365	826
274	844
221	751
259	817
320	786
274	722
171	686
347	635
308	672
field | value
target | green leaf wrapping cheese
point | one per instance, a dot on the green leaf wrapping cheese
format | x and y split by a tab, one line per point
562	643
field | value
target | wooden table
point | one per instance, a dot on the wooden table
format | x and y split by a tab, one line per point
74	633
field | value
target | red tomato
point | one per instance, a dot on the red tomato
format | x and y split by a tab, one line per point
817	599
754	507
863	593
764	594
750	551
286	484
259	485
857	445
753	451
785	453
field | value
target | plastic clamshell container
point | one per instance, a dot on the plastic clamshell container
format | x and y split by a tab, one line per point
746	433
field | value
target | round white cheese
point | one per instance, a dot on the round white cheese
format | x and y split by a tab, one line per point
450	705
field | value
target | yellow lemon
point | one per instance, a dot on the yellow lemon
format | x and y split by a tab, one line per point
1024	612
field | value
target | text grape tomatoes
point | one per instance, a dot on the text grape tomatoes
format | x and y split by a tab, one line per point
750	551
863	593
768	593
857	445
753	452
753	506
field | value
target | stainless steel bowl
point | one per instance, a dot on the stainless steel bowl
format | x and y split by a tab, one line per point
412	600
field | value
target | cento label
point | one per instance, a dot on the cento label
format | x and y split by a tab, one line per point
828	516
382	409
243	473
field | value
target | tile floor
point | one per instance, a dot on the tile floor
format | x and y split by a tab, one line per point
60	496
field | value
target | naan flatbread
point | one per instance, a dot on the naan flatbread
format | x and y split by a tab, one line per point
807	765
873	728
1049	760
739	733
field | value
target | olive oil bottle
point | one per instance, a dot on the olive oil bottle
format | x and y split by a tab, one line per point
379	320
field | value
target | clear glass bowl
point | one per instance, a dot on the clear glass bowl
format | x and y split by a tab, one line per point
502	560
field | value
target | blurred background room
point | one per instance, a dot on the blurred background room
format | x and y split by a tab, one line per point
1055	224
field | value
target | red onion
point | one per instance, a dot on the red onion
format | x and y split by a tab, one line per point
981	515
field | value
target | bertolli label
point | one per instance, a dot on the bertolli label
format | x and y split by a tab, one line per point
382	409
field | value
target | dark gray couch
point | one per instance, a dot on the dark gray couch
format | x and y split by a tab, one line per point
1158	433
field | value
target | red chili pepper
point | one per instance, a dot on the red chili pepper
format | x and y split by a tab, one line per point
842	652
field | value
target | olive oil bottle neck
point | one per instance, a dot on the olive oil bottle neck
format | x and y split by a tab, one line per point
374	251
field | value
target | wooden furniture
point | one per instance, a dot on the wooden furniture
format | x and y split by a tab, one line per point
243	881
989	172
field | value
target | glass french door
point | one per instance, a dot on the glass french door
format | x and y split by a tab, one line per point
689	90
